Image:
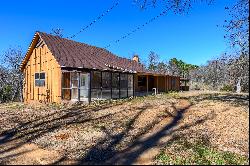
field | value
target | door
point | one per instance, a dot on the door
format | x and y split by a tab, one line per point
84	86
74	86
66	90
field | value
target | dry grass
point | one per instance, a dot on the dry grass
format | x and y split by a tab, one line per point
101	132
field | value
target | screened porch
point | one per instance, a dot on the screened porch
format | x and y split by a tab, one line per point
96	85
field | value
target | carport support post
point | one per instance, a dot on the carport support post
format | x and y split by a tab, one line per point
133	85
147	84
111	90
119	85
90	77
165	78
79	82
157	84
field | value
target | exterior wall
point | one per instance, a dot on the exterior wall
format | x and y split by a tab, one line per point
161	83
137	87
178	83
42	60
136	82
164	83
170	83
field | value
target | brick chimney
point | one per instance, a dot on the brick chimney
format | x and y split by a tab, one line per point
136	58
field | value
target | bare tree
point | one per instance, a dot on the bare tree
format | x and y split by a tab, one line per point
162	67
225	71
57	32
178	6
153	60
11	79
237	26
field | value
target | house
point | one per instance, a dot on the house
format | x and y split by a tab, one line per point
57	69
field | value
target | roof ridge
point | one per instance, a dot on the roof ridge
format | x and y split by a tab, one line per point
73	41
72	53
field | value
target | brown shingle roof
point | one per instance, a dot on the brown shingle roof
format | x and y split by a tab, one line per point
70	53
74	54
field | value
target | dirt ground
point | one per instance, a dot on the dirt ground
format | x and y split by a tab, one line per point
123	132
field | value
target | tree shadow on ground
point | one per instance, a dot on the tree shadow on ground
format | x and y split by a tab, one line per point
4	160
232	98
109	155
105	151
27	131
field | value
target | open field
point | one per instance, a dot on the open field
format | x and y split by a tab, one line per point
175	128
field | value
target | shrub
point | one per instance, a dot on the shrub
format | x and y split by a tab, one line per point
5	93
227	88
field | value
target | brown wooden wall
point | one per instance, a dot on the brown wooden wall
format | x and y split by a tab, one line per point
164	83
42	60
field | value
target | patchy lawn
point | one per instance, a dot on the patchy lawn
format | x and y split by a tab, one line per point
143	130
198	153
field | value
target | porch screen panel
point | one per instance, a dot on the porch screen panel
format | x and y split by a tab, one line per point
124	85
115	85
96	79
130	85
106	85
66	90
74	85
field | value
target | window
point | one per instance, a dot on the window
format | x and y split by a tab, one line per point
74	80
83	79
40	79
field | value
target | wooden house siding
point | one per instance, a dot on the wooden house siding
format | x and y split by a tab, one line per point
162	83
42	60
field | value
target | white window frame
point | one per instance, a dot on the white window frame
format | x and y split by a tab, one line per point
39	79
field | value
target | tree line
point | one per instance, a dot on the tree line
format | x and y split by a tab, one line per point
222	73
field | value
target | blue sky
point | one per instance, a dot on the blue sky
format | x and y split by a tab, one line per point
194	37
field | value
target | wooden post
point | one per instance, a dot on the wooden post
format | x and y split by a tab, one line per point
79	82
170	83
133	85
101	84
147	84
90	77
119	85
111	91
165	78
127	85
61	88
157	87
167	83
